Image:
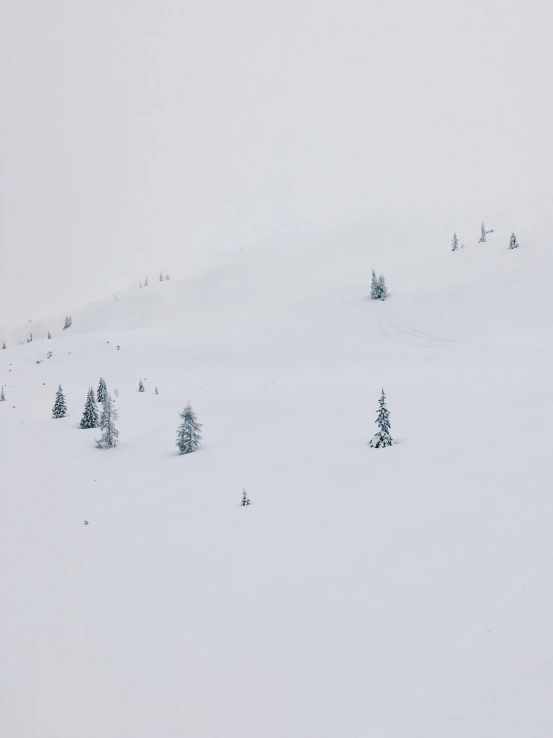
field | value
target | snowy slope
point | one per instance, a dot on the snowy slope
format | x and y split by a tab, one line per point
398	593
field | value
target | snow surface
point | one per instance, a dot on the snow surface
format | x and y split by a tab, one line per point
394	593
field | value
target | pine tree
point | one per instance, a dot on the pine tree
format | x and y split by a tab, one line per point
245	500
140	285
145	281
49	335
90	413
102	390
156	390
2	395
513	243
110	434
482	238
4	345
60	408
160	277
455	243
30	338
188	433
374	286
382	289
382	438
141	386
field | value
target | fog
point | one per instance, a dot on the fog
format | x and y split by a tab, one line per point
138	135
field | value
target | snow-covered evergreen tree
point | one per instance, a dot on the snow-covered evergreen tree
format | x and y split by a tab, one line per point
2	395
140	285
141	386
102	390
188	433
513	243
382	289
374	286
161	277
90	413
245	500
30	338
382	438
60	408
49	335
110	434
156	390
145	281
482	238
455	243
4	345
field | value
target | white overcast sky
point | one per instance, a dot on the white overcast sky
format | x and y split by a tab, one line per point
146	134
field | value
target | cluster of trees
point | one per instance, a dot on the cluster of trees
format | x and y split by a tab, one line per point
162	278
379	291
67	323
513	243
188	433
91	418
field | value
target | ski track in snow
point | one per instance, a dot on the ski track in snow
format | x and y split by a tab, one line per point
421	339
424	336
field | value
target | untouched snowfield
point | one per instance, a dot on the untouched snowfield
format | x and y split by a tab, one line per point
394	593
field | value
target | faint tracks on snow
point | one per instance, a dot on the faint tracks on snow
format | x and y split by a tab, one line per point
400	330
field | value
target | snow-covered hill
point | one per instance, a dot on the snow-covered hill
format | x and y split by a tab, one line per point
399	593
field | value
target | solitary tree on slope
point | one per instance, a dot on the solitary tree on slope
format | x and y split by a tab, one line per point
60	408
382	438
455	243
2	395
161	276
145	281
141	386
102	390
513	243
245	500
188	433
90	412
4	345
110	434
49	335
156	390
